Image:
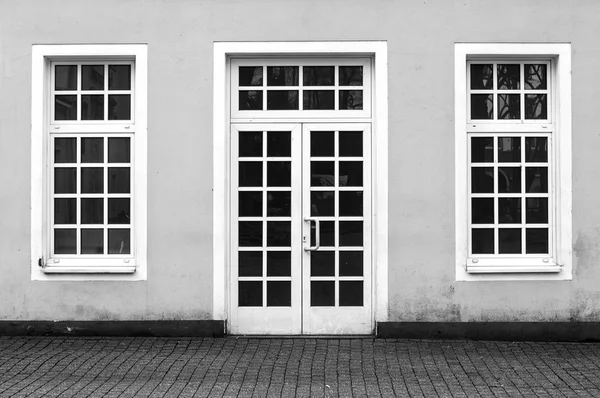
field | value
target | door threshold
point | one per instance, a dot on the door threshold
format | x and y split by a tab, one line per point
301	336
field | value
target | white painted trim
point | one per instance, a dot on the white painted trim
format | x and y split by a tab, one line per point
560	54
221	53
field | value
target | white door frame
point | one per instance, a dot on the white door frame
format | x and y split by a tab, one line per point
223	51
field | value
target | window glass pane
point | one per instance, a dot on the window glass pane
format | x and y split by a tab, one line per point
322	293
92	150
65	241
65	107
321	174
537	211
65	77
278	203
250	263
119	211
536	179
250	294
250	76
318	76
250	100
279	233
279	143
536	106
119	241
119	150
322	263
119	180
509	106
92	107
322	203
65	180
119	107
509	179
92	210
92	241
92	180
279	263
282	76
482	210
509	210
537	240
351	203
65	150
351	233
279	174
351	143
351	75
483	240
509	76
250	174
282	100
92	77
351	263
321	143
351	99
119	77
327	233
351	174
318	99
351	293
509	149
482	77
250	233
482	106
250	144
250	204
536	149
535	77
482	179
509	240
65	211
279	294
482	149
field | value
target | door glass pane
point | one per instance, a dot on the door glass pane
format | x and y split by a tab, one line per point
322	293
119	211
250	174
279	203
279	263
119	180
65	241
250	294
322	203
318	99
92	241
322	263
351	204
351	143
250	263
65	180
509	240
250	76
537	240
351	99
92	180
65	211
509	149
119	106
250	204
65	77
250	100
279	233
92	107
351	174
279	143
327	233
250	144
250	233
351	75
351	263
119	241
282	100
65	150
351	233
119	77
321	143
318	75
483	241
351	293
119	150
282	76
322	174
92	150
65	107
279	294
279	174
92	77
92	210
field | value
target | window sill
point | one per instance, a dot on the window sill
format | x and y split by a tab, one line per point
513	269
89	270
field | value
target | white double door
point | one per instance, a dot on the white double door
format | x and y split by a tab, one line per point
300	229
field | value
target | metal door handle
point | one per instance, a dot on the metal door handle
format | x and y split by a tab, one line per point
317	234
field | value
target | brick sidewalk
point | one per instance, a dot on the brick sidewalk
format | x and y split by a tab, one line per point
186	367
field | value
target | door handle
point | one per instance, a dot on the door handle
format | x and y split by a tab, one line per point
317	234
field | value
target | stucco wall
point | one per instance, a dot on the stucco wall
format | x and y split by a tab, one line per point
180	36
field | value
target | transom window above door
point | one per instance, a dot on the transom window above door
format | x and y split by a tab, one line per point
301	88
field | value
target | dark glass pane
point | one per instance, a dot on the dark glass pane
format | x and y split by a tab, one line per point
282	100
322	203
482	179
119	77
351	99
119	107
250	76
92	241
321	174
482	106
537	211
92	150
509	210
279	143
535	77
119	150
279	174
321	143
282	76
509	179
351	174
92	77
250	294
327	233
65	211
279	204
279	294
250	174
351	233
537	240
65	77
251	144
509	240
318	99
322	263
318	76
482	210
251	100
92	210
536	180
482	149
250	204
509	76
351	204
279	263
351	293
536	149
482	77
250	264
536	106
119	241
351	143
509	106
92	180
250	233
65	180
119	180
351	75
483	241
92	107
65	107
351	263
279	233
65	241
509	149
322	293
119	211
65	150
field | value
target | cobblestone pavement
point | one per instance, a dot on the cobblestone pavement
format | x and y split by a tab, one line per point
242	367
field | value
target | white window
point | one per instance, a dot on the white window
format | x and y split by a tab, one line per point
513	165
89	160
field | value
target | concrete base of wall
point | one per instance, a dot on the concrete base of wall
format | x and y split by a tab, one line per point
208	328
502	331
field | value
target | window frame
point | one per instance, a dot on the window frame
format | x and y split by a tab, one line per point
86	267
558	265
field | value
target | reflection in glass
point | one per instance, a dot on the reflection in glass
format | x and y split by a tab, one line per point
65	107
250	263
482	179
92	150
250	174
509	240
351	99
92	210
282	76
509	179
92	77
536	106
250	204
537	211
351	203
119	150
509	210
322	293
536	149
65	211
250	294
119	77
351	75
351	263
351	293
279	294
482	149
250	144
351	143
509	106
535	77
509	149
327	234
65	77
322	203
65	241
119	106
322	263
482	106
250	100
351	174
537	240
279	143
317	75
321	143
92	241
119	211
279	234
318	99
92	107
279	174
282	100
65	150
482	240
279	263
509	76
536	179
321	174
351	233
250	233
482	210
250	76
118	180
481	77
92	180
65	180
119	241
279	203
